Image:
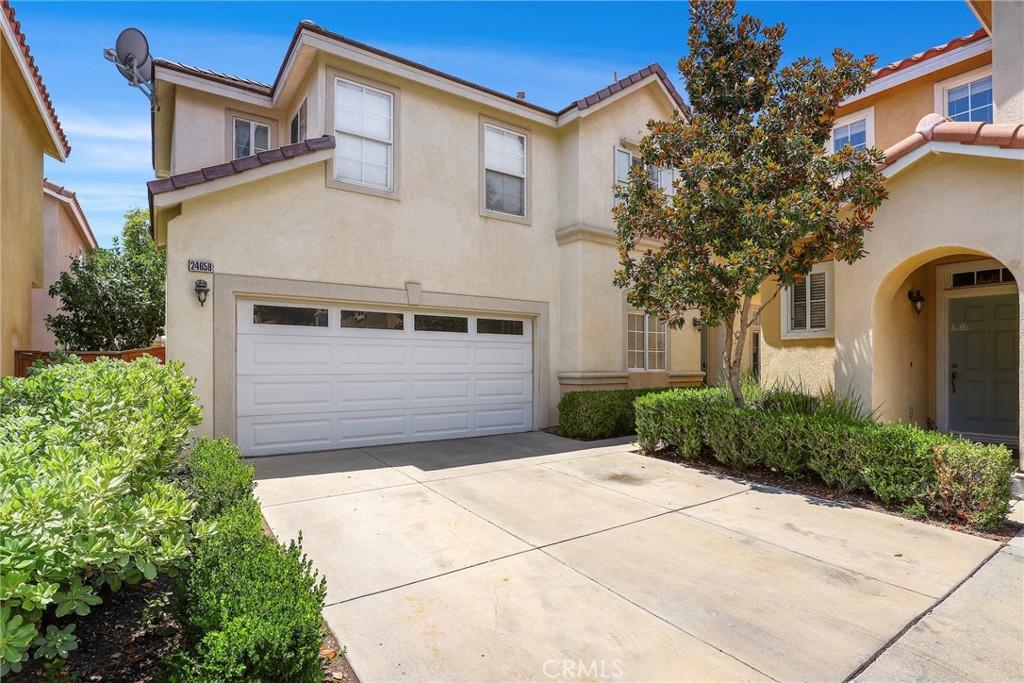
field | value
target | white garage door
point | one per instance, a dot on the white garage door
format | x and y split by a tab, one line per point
315	377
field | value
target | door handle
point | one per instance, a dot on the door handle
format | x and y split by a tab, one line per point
952	379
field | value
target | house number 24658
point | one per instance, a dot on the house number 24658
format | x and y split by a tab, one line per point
199	266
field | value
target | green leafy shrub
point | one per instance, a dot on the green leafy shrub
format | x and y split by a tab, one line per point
676	418
217	477
835	438
598	414
85	499
896	460
831	452
251	607
972	483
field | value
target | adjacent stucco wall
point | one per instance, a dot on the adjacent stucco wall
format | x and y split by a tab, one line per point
22	140
809	363
898	109
1008	58
62	242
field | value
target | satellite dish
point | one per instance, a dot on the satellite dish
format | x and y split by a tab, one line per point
132	48
130	55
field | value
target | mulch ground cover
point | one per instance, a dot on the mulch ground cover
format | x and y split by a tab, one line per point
125	640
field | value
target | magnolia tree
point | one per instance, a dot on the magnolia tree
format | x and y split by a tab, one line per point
756	199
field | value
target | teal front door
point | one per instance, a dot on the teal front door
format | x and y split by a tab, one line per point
982	373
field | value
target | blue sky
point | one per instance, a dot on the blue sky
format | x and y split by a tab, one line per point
556	52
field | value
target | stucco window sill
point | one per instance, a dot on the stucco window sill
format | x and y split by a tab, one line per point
505	217
817	334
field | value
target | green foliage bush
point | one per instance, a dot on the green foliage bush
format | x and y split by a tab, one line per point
85	499
972	483
834	438
598	414
251	607
217	477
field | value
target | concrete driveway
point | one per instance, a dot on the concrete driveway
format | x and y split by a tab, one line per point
531	557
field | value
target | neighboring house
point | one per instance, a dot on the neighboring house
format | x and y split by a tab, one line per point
397	254
66	236
927	328
28	129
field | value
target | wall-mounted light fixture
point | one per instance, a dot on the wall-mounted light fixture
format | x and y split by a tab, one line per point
916	300
202	290
698	323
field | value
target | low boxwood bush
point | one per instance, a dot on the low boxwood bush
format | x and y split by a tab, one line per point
836	440
250	606
216	477
598	414
86	451
972	483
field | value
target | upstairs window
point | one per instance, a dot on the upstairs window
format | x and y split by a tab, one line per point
853	134
971	101
504	171
298	125
646	342
364	130
250	137
855	130
807	305
658	177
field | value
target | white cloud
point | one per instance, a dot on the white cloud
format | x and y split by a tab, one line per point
85	126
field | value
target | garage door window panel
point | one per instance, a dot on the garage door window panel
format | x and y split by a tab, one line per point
441	323
295	316
494	326
372	320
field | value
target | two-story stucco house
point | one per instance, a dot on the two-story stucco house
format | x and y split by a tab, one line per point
927	328
393	253
66	236
29	129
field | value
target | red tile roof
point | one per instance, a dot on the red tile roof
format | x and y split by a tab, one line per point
268	90
623	83
929	53
40	87
228	168
936	128
73	199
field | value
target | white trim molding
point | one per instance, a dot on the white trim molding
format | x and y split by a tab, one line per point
924	68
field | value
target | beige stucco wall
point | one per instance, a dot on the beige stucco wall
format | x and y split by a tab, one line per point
944	208
294	226
22	144
809	363
62	242
1008	60
899	109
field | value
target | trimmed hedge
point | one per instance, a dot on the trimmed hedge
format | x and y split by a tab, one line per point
944	475
86	500
251	607
599	414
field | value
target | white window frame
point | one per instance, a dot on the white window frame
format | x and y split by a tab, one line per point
390	187
648	324
868	115
252	136
524	217
301	119
787	332
658	172
942	89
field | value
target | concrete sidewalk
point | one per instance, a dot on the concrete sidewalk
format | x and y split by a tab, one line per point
531	557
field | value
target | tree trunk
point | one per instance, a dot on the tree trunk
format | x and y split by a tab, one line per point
732	356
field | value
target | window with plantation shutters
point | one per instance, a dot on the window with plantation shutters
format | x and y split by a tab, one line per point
807	305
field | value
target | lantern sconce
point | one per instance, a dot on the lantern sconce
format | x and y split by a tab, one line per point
916	300
698	323
202	290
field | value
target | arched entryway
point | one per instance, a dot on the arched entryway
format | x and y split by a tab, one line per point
945	339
